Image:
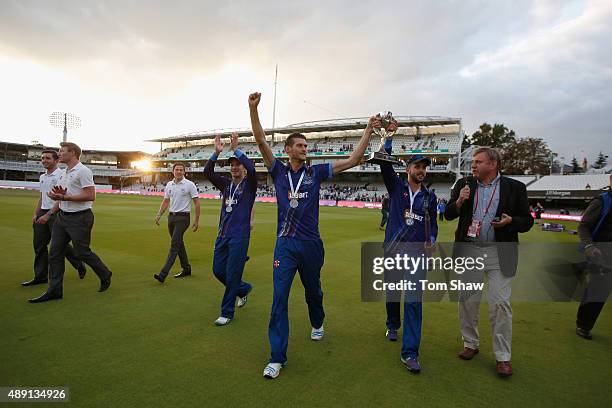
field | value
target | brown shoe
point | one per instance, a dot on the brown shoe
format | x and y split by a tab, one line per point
468	353
504	368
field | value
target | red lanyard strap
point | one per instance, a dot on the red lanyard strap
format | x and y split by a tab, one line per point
490	200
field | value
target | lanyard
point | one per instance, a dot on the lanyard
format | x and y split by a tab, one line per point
232	195
293	191
490	200
412	196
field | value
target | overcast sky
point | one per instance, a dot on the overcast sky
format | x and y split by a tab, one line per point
134	70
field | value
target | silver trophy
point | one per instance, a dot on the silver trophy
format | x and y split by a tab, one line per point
381	156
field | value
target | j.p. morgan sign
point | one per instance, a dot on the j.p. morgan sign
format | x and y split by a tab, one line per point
564	194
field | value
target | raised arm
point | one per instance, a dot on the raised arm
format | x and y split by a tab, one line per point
248	165
357	154
258	132
209	170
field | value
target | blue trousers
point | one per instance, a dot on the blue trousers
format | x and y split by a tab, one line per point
228	266
413	316
305	257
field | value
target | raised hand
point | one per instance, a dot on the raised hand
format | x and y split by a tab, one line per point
254	99
464	195
218	145
392	126
234	141
374	122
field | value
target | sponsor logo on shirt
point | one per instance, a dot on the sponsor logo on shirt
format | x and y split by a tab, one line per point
298	195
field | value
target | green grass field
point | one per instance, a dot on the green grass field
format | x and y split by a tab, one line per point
146	344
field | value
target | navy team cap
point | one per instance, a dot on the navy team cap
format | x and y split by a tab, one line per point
418	158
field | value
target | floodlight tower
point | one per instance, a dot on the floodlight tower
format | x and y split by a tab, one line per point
65	120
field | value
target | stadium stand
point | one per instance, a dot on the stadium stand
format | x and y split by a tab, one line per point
576	182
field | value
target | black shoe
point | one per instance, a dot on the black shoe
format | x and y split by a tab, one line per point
105	284
584	333
44	298
247	258
33	282
159	278
182	274
82	271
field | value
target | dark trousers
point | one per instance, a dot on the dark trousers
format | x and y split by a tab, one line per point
441	216
75	227
228	266
290	256
413	310
385	218
594	298
41	239
177	225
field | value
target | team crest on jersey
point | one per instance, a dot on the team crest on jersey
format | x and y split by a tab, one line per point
276	263
307	180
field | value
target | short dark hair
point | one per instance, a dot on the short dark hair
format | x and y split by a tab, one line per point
291	138
179	164
72	147
491	153
51	152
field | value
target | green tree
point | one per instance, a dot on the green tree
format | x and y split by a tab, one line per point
601	161
498	136
528	155
575	166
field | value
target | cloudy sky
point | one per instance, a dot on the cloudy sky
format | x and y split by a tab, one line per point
134	70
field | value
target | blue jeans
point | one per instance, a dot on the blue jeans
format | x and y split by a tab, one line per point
228	266
290	256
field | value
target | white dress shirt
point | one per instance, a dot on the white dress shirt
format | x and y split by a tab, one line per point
47	182
180	195
75	180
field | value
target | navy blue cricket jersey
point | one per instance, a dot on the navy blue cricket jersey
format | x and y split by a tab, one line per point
301	222
399	207
237	223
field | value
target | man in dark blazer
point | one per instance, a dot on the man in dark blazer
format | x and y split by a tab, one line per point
491	209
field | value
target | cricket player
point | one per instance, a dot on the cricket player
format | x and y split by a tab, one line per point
232	244
411	227
298	245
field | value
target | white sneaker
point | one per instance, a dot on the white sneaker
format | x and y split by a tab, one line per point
241	301
272	370
222	321
317	334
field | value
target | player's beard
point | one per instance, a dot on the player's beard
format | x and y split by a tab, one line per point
415	179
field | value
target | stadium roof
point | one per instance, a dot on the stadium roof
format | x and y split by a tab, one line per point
23	146
317	126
